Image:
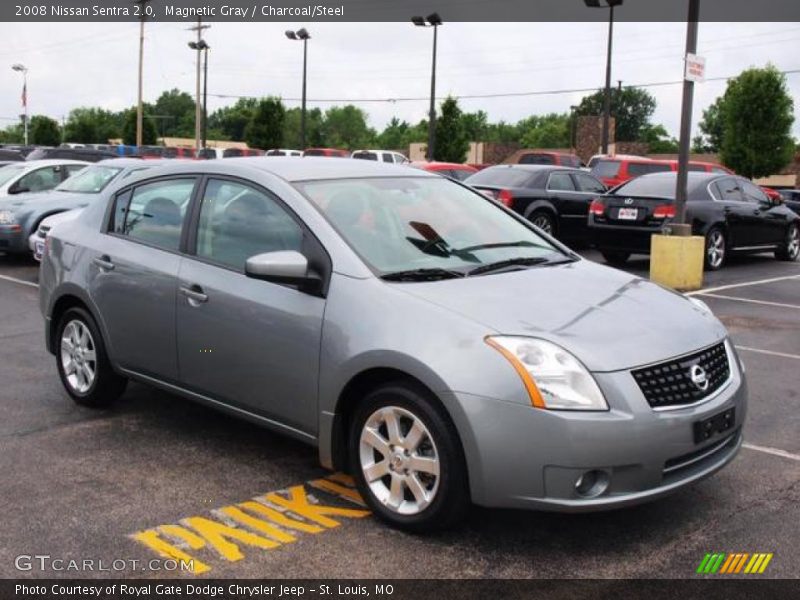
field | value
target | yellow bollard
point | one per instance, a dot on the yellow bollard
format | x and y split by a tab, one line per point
677	261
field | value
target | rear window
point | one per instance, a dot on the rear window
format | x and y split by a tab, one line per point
656	187
232	152
536	159
701	168
365	155
606	168
635	169
502	177
314	153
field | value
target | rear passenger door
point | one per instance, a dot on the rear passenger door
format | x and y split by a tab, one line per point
569	202
133	275
248	342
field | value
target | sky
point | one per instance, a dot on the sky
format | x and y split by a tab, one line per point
95	64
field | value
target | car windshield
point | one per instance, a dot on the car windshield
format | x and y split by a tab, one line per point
91	180
502	176
401	224
8	172
605	168
653	187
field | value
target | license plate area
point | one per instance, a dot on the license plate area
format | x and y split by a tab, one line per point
709	428
628	214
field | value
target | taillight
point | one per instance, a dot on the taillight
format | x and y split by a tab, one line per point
664	211
597	208
506	197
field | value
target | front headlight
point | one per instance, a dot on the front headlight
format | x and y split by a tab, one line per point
554	378
6	217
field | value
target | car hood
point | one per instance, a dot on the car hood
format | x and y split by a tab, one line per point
49	199
611	320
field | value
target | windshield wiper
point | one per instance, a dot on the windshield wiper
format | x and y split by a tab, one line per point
521	261
520	244
431	274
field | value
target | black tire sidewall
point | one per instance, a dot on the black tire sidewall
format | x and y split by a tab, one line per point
550	218
783	252
452	496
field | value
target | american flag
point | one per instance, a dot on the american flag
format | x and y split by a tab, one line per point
25	95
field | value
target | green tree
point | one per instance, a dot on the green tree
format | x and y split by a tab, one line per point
631	107
476	125
346	127
93	125
265	129
232	120
175	111
314	126
712	126
658	140
452	142
758	113
149	133
395	135
502	132
547	131
44	131
13	134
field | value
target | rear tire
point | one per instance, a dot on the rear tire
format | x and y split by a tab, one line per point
83	365
716	249
545	221
790	249
615	258
407	459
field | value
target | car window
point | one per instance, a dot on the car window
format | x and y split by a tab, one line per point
502	176
605	168
41	179
91	181
362	155
641	168
718	170
387	157
536	159
238	221
460	174
728	189
73	169
8	173
587	183
155	212
753	193
560	182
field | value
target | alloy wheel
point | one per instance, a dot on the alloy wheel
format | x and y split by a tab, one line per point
78	356
793	243
544	223
716	249
399	460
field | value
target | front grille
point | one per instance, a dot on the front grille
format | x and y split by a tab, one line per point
670	383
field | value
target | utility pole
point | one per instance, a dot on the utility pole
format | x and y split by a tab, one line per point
139	108
198	114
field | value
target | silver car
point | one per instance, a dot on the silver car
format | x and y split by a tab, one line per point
420	335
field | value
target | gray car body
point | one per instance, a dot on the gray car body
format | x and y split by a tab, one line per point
296	362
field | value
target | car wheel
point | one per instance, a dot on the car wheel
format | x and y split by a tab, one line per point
791	246
716	249
407	459
615	258
544	221
83	364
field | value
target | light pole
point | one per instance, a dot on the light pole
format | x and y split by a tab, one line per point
24	70
572	140
139	110
202	45
432	20
198	117
304	36
610	4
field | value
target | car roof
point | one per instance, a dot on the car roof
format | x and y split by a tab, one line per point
421	164
290	168
47	162
132	162
535	168
693	175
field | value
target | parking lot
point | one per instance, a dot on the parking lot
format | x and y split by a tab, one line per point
102	485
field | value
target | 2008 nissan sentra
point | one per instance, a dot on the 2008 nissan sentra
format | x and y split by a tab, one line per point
422	336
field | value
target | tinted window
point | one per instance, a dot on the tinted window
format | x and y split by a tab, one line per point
238	221
657	187
231	152
587	183
701	168
361	155
606	168
636	169
570	161
536	159
728	189
387	157
460	174
155	213
753	193
40	179
317	153
502	176
560	182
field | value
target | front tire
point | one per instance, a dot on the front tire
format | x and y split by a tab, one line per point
790	249
716	249
407	459
615	258
83	365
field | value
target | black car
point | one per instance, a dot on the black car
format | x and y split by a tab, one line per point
87	154
7	155
733	214
555	199
791	198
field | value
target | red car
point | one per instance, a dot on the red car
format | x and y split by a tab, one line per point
335	152
544	157
614	170
455	171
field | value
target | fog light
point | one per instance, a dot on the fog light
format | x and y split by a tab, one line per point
592	483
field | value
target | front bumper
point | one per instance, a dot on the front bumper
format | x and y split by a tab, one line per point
522	457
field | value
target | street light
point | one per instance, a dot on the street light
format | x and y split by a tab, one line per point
610	4
304	36
202	45
20	68
432	20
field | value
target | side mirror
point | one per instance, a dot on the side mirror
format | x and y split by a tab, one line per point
18	189
284	266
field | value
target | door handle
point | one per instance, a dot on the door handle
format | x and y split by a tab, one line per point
104	262
194	294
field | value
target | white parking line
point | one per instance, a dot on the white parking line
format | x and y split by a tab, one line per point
750	300
20	281
772	451
769	352
745	284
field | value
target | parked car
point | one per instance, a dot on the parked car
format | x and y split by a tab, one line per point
238	152
388	156
7	155
38	238
334	152
732	213
618	169
544	157
791	198
555	199
283	152
83	154
456	171
177	152
426	337
24	213
36	176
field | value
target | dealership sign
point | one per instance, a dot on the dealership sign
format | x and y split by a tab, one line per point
695	68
